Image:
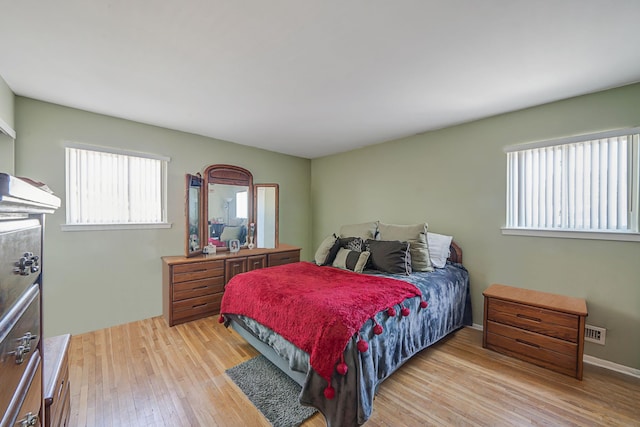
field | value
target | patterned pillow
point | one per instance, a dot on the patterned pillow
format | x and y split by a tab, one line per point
352	243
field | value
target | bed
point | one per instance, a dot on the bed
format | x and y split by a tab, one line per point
394	334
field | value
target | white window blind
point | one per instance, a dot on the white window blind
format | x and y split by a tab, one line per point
587	183
114	187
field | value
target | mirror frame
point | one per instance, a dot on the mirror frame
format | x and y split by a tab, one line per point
230	175
276	213
190	179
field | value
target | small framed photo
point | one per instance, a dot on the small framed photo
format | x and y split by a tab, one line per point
234	245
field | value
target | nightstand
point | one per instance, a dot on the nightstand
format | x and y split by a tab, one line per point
538	327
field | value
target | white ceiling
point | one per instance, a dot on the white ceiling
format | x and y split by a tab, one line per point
314	77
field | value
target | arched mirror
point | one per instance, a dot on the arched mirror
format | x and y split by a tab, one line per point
228	200
193	213
266	215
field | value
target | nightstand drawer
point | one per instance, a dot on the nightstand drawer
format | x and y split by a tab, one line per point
552	323
197	288
530	352
533	339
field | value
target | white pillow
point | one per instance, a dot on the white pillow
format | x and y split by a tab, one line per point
438	248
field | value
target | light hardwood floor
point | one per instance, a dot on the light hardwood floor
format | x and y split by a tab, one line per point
147	374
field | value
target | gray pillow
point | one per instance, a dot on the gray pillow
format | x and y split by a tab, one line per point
420	258
389	256
230	233
415	234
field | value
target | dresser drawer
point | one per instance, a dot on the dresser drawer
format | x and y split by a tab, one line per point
198	270
256	262
30	387
16	239
281	258
197	288
20	333
196	307
552	323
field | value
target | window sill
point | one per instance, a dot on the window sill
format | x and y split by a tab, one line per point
103	227
565	234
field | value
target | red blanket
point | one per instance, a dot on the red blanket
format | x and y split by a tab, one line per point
316	308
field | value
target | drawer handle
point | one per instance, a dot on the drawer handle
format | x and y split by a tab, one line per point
530	344
24	347
533	319
29	420
200	287
199	305
27	264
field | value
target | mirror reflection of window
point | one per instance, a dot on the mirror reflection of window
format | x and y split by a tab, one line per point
242	208
266	216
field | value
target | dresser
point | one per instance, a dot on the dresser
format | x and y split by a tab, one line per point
22	210
541	328
192	288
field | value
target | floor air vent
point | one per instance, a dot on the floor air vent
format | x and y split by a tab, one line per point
594	334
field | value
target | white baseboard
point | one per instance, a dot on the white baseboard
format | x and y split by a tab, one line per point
627	370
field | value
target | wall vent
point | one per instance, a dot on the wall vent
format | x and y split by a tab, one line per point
595	334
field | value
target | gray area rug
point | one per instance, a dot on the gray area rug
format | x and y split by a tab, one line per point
271	391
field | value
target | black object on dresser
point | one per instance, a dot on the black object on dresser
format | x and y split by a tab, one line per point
23	206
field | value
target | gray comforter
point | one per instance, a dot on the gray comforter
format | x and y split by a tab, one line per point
447	292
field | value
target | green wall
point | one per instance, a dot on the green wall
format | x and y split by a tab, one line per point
455	179
96	279
7	144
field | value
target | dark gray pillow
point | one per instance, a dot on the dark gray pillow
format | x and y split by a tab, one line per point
389	256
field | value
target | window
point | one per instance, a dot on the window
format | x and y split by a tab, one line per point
114	189
580	184
242	207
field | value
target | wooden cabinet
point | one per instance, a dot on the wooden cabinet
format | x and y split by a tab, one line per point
541	328
56	381
22	209
192	288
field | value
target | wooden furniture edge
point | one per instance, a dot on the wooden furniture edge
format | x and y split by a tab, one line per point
180	259
547	300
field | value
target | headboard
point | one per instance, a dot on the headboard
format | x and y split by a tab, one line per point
455	253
